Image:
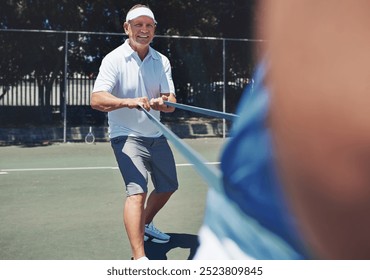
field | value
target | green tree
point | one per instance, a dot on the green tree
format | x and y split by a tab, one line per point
42	55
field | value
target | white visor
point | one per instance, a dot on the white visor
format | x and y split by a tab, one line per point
138	12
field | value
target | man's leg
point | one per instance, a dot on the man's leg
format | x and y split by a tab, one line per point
156	201
133	217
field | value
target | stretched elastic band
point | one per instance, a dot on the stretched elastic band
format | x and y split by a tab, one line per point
210	174
208	112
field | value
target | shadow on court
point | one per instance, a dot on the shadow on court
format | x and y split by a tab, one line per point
157	251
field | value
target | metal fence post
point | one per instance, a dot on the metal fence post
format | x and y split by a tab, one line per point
65	89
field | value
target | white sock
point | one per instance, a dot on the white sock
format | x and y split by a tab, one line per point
142	259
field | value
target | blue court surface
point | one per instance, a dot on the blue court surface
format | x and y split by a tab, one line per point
65	202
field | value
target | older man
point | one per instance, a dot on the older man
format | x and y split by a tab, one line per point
133	76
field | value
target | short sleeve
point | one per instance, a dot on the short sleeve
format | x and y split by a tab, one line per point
107	77
167	85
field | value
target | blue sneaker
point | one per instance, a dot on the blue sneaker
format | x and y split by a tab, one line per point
155	235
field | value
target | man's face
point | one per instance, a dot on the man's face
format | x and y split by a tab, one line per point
141	30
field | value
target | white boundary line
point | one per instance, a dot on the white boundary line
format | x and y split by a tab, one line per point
5	171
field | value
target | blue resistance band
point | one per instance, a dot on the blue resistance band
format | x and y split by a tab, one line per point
208	112
209	173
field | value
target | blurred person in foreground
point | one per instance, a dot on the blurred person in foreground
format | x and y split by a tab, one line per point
135	77
296	174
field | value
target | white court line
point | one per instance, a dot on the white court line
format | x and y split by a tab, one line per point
5	171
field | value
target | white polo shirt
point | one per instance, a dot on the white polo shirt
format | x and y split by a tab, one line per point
123	74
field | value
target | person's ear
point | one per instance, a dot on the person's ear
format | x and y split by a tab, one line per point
125	27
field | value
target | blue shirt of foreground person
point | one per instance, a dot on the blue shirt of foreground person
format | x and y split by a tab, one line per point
249	218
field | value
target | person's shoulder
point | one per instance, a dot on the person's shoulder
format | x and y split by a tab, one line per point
157	54
117	52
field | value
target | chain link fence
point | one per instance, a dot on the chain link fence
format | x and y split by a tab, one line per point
46	77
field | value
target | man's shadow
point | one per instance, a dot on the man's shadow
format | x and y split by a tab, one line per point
156	251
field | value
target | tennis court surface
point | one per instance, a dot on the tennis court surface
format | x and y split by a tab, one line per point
65	201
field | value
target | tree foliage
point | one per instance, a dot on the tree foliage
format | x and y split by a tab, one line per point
42	54
225	18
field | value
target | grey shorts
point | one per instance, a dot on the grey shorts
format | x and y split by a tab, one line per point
138	156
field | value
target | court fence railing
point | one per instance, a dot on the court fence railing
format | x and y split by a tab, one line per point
48	82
